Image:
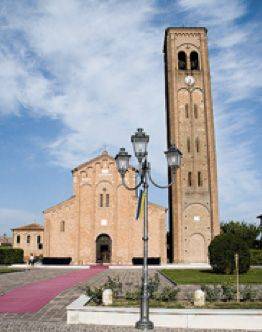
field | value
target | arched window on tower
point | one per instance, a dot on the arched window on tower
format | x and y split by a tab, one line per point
195	111
101	200
194	63
189	179
181	60
188	144
107	200
197	145
199	179
28	238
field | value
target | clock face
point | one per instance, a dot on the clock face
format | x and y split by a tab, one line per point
189	80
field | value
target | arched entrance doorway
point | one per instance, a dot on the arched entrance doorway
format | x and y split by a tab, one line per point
103	248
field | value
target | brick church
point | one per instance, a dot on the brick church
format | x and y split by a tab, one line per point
97	224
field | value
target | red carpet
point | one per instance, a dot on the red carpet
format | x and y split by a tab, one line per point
32	297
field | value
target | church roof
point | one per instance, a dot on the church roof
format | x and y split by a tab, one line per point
61	203
158	205
30	227
103	154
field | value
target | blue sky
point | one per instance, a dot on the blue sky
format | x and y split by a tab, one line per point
78	75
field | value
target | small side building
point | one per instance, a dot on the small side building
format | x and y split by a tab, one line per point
30	239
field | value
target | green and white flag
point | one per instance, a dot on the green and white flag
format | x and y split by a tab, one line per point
140	205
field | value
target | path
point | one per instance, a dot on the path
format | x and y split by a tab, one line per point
32	297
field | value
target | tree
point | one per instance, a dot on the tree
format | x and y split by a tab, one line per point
222	252
248	232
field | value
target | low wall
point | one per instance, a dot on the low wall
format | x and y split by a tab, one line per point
78	313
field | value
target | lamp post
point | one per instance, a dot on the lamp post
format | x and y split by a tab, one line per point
140	142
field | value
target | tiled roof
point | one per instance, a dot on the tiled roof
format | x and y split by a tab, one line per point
29	227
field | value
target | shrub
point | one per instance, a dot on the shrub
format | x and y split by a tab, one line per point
10	256
135	295
248	294
95	294
189	296
222	252
229	292
115	285
167	294
153	285
213	293
255	256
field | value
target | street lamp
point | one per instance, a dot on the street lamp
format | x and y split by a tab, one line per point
122	161
140	142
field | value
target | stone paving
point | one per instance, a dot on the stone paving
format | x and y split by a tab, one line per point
52	317
131	279
22	326
8	326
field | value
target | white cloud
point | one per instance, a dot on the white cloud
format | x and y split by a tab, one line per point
104	72
97	67
213	12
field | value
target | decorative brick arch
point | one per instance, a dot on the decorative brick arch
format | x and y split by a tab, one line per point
196	233
197	248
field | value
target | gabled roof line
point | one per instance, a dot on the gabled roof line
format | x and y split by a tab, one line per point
56	205
158	205
33	226
103	154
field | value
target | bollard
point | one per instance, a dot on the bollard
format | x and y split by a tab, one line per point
199	298
107	297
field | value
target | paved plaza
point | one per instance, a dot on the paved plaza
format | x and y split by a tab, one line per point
52	317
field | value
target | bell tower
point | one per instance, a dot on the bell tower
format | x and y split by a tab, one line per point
193	201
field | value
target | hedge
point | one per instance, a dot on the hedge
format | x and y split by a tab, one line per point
150	260
10	256
56	260
222	252
256	256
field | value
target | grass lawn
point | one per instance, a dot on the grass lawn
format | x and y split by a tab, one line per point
185	277
7	270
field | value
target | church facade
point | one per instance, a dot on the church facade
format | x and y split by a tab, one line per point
97	224
193	199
